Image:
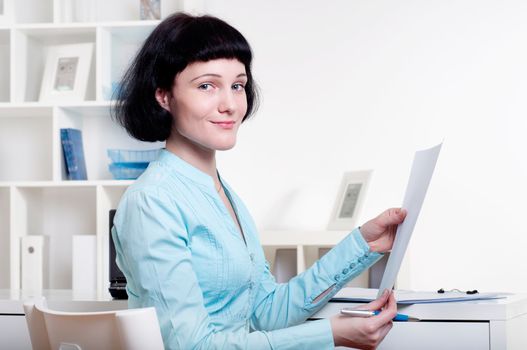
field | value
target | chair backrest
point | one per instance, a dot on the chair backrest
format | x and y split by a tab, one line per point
120	329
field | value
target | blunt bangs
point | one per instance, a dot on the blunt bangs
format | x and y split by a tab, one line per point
200	39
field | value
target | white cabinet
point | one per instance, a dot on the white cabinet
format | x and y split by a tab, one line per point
496	324
15	334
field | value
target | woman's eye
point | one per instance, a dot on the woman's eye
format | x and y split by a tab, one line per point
238	87
205	86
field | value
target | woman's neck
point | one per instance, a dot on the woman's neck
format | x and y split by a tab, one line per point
199	157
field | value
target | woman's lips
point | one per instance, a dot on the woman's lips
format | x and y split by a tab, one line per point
225	125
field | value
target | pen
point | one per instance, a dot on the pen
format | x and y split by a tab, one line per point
367	313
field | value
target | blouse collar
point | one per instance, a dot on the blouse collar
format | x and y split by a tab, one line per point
186	169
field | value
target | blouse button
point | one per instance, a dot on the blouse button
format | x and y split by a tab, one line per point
337	277
352	266
345	271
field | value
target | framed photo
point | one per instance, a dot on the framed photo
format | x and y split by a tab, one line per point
150	9
66	73
350	198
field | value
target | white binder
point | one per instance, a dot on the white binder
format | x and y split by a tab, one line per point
34	262
84	264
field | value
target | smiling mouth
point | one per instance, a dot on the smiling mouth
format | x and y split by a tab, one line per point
225	125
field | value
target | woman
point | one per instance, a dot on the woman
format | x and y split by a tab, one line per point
185	241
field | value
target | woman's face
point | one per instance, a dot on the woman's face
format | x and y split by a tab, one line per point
208	102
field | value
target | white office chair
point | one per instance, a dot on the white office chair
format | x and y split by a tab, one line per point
119	329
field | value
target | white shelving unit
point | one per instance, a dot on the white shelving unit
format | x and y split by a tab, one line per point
35	197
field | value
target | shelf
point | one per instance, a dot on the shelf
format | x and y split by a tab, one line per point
106	11
302	238
128	24
53	32
8	110
74	12
55	28
30	46
31	11
58	213
53	184
25	141
115	10
119	44
5	107
102	132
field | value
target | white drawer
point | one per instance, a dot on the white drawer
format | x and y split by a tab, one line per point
13	333
438	335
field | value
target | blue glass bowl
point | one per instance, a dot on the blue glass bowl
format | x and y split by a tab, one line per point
127	171
131	156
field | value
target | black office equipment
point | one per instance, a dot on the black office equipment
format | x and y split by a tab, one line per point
117	280
442	291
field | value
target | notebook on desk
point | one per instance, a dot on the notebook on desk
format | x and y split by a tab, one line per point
117	280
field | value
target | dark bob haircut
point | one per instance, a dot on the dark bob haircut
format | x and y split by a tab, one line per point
176	42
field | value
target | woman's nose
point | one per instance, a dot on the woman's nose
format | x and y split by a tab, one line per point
227	102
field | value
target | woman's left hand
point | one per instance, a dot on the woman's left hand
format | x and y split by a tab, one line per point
380	231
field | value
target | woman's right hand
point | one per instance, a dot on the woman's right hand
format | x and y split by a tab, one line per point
365	333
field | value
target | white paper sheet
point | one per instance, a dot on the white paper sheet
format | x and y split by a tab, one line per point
420	175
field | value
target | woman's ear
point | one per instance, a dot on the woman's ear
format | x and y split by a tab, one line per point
162	97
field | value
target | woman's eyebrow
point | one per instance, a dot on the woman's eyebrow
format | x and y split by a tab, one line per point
216	76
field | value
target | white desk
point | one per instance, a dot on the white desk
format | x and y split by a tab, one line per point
499	324
492	324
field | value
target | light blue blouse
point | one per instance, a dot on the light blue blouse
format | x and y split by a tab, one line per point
182	253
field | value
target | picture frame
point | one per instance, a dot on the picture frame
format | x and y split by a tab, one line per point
150	9
66	72
350	199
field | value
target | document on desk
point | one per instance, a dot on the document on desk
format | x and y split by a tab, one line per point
404	297
420	175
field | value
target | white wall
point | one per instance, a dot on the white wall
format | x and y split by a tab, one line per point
352	85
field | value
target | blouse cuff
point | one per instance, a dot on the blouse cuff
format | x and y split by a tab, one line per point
344	262
358	257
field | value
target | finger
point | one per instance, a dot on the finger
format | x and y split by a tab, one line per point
378	303
392	216
387	314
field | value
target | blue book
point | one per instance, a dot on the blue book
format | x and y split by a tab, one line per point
73	150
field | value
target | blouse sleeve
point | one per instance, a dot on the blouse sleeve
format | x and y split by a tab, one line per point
152	245
282	305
